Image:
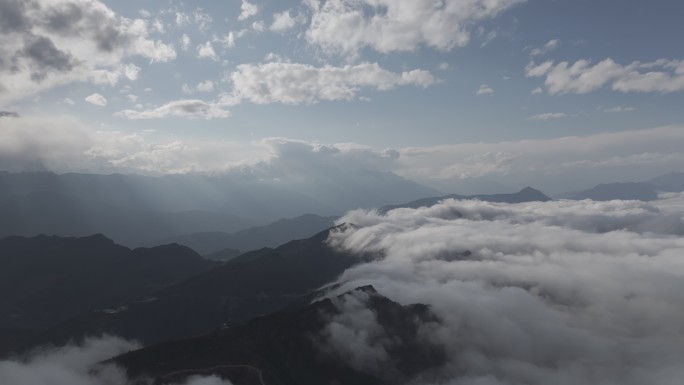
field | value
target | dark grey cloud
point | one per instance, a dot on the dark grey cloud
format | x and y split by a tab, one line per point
109	38
62	18
12	17
45	58
9	114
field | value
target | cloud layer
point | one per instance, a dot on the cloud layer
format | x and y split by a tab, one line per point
79	365
555	165
560	292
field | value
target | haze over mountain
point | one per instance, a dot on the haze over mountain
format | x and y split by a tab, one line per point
643	191
135	210
279	348
528	194
271	235
45	280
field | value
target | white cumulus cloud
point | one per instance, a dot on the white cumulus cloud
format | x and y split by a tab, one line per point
283	21
96	99
131	71
484	90
345	26
247	10
206	51
294	83
205	86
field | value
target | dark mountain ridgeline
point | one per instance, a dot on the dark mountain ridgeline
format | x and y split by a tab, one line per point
270	235
138	210
290	347
252	284
43	212
45	280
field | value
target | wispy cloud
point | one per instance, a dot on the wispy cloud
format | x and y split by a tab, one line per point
546	48
548	116
581	77
619	109
80	364
186	108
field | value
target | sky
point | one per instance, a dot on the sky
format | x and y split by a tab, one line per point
491	93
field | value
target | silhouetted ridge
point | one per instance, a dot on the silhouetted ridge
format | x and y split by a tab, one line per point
295	267
270	235
252	284
292	347
45	280
528	194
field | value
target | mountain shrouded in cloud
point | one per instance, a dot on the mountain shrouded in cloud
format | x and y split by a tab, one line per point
136	210
555	292
463	292
555	165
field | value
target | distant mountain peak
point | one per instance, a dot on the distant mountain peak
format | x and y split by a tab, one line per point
99	237
528	194
529	189
532	193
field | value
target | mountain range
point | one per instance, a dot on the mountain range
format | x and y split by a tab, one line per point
643	191
206	297
528	194
46	280
292	347
217	245
139	210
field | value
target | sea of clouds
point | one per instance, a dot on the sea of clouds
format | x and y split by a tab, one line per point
561	292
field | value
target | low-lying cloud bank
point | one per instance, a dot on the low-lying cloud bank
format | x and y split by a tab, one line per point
556	165
78	365
560	292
